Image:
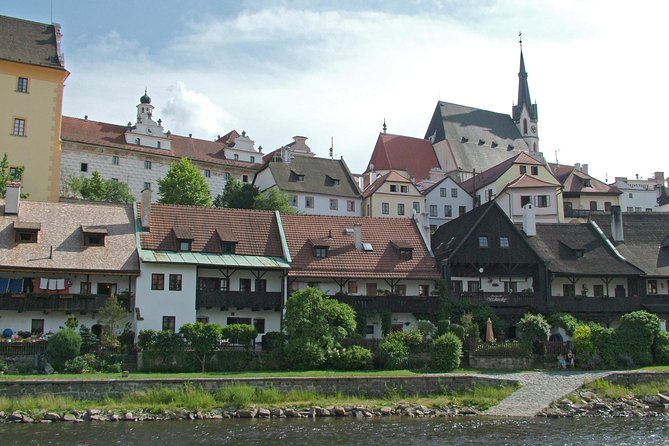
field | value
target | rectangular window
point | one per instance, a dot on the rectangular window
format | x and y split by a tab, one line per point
244	284
157	281
649	209
202	319
424	290
320	252
115	160
19	127
352	287
637	209
400	208
598	290
456	286
448	210
236	157
525	199
369	329
568	290
158	144
454	192
226	176
631	195
261	285
543	201
483	241
400	290
462	210
630	209
37	326
207	173
404	189
25	236
147	186
442	191
503	241
433	210
175	282
593	205
259	324
473	286
293	200
385	208
535	170
393	188
371	289
334	204
228	248
607	206
308	202
22	85
184	245
245	178
106	289
416	206
652	287
523	170
85	288
83	167
510	287
350	206
169	323
147	164
489	195
253	159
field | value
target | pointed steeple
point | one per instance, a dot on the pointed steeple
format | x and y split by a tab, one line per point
524	100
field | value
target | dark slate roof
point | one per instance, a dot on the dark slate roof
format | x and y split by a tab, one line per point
319	175
478	139
29	42
574	181
398	152
577	249
524	99
448	237
644	234
491	175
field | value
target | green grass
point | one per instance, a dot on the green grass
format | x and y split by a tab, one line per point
606	389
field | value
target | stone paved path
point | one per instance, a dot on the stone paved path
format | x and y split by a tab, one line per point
538	390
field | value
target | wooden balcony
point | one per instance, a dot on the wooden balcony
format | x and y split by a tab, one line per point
594	305
501	299
238	299
57	302
395	304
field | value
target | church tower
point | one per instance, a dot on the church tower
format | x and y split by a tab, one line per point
147	132
524	112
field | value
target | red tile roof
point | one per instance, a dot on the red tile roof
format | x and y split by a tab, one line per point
574	181
390	176
111	135
344	260
414	155
256	232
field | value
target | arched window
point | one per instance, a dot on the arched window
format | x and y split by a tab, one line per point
525	126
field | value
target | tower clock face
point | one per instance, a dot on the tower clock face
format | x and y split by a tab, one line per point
533	129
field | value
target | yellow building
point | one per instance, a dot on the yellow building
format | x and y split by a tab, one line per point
392	195
32	76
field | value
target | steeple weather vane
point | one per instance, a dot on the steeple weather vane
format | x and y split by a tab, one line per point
520	40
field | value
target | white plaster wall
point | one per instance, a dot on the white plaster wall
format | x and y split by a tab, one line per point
273	278
435	198
322	205
131	169
510	204
643	199
53	320
556	286
272	318
154	304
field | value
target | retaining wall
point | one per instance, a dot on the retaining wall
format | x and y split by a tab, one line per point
499	362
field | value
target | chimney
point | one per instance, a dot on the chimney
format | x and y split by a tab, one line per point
146	209
617	224
357	236
13	198
584	169
659	178
529	220
577	166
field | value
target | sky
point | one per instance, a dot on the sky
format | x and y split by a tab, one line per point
334	70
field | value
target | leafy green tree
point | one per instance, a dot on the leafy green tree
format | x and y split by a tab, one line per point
204	339
445	352
184	184
315	323
95	188
534	329
63	346
635	337
236	195
7	175
112	317
274	200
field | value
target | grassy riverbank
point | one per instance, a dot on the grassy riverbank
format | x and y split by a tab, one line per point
606	389
192	397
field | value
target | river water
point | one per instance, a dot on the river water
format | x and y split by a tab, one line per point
387	431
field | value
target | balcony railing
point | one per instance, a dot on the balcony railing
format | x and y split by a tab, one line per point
57	302
238	299
395	304
591	304
501	299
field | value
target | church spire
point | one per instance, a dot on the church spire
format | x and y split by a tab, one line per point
525	112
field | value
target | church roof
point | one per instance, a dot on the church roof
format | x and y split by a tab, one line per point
524	99
29	42
478	139
414	155
110	135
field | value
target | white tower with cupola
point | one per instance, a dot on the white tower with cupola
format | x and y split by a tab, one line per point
146	132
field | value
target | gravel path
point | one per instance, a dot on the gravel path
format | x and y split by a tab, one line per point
538	390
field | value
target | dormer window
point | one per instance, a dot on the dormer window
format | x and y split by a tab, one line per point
320	251
404	250
94	235
228	240
26	232
586	183
228	248
321	247
184	239
185	245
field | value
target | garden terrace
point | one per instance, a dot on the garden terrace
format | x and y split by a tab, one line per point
238	299
57	302
395	304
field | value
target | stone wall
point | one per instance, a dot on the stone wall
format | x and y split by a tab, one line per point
499	362
363	386
632	378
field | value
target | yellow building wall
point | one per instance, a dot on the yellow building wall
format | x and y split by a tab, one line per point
39	150
383	195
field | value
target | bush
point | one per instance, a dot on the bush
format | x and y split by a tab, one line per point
413	339
426	328
239	333
3	365
660	349
446	351
534	330
354	357
304	354
393	353
63	346
457	330
442	326
585	346
564	320
81	364
273	341
635	337
146	339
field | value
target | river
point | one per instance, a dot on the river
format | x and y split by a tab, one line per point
387	431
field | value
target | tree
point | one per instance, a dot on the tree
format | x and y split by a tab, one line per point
274	200
7	175
113	318
96	188
63	346
315	324
534	329
184	184
204	339
236	195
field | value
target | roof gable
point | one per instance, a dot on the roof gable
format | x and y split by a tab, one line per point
322	176
414	155
29	42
